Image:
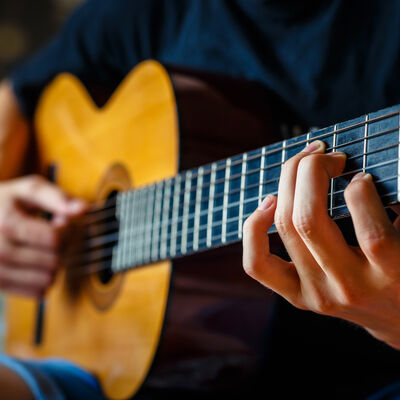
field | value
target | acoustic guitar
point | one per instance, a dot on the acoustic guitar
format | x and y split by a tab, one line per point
107	307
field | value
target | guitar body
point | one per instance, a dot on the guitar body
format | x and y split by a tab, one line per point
113	329
75	138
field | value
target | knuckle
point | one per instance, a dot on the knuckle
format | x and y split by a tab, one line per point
347	299
304	223
378	242
322	305
283	222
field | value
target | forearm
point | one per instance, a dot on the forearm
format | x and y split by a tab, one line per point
14	134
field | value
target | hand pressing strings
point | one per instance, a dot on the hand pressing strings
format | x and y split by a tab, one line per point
325	274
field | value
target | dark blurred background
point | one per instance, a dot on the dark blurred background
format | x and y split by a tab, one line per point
25	25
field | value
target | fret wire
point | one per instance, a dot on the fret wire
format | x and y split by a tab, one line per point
156	223
175	214
165	214
225	200
144	223
283	152
159	200
149	222
260	184
132	224
185	214
384	163
142	202
197	208
334	150
125	232
242	187
211	203
124	224
116	260
365	142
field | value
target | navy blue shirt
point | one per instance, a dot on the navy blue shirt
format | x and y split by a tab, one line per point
329	60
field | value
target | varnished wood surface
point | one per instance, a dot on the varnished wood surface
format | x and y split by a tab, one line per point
137	129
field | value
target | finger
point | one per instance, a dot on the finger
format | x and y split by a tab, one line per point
34	281
38	192
310	217
27	257
376	235
294	245
258	262
30	231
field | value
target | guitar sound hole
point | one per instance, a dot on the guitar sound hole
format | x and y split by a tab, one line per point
106	275
109	228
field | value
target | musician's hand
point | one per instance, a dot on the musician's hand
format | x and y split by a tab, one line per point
326	275
29	244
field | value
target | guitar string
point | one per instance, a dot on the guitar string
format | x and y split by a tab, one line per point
110	205
89	268
97	240
249	172
111	212
111	239
150	227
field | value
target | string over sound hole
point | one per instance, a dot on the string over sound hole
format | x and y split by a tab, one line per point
100	239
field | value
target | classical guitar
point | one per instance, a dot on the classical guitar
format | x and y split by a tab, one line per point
107	307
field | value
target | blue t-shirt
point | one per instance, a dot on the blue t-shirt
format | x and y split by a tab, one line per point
329	60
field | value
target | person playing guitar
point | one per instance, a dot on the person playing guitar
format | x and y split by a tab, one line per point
329	62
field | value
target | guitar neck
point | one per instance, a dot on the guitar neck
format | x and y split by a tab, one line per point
205	207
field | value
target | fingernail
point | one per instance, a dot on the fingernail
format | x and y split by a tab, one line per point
337	154
314	146
361	175
266	203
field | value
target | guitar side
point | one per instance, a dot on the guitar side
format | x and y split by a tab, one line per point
110	329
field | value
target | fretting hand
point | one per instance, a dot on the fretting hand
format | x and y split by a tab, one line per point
326	275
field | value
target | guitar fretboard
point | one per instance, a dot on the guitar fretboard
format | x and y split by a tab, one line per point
205	207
